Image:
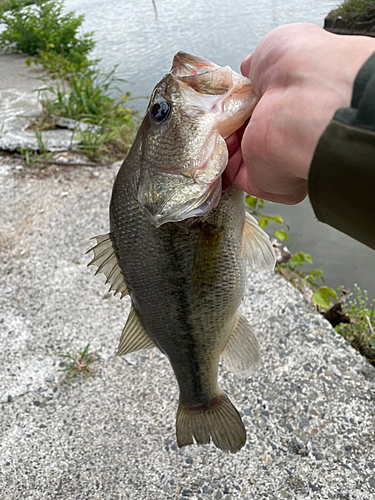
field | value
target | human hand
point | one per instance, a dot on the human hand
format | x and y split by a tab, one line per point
302	74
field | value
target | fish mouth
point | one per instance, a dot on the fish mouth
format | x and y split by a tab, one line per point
185	64
177	191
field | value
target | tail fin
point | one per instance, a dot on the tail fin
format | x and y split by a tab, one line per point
219	421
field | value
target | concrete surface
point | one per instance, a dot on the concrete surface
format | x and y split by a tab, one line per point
19	101
309	410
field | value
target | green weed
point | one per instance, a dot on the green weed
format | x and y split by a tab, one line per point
86	97
43	28
256	206
356	13
6	5
359	312
292	270
360	330
31	157
79	364
358	7
362	312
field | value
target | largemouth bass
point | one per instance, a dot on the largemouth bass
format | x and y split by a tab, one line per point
178	244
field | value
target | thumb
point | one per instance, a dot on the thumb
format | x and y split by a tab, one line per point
245	65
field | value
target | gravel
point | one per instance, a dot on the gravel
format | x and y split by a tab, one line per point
309	410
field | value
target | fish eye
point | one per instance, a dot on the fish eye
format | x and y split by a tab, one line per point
160	111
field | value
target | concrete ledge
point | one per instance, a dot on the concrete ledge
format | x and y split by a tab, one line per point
19	102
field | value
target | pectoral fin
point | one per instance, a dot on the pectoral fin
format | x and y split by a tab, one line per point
241	354
256	245
106	260
134	336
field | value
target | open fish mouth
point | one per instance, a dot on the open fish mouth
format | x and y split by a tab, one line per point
195	111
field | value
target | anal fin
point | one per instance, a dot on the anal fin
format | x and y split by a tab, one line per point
241	354
256	245
106	260
134	336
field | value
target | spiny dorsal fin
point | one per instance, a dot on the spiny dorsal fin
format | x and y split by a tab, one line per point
241	354
105	259
133	336
256	246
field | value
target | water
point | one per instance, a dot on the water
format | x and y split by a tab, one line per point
142	43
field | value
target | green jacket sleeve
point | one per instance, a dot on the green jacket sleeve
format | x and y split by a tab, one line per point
342	174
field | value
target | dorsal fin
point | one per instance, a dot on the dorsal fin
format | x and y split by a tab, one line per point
134	336
241	354
256	245
106	260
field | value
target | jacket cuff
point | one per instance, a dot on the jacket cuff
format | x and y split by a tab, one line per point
342	174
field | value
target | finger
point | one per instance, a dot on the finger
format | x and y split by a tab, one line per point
235	163
234	140
233	143
241	130
285	199
238	175
245	65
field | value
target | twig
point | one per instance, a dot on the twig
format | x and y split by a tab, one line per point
369	324
73	164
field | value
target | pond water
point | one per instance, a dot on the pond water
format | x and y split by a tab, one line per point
142	36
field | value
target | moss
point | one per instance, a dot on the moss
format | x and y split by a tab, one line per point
352	17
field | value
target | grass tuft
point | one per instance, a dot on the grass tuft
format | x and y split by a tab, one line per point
79	364
358	7
86	97
356	13
360	332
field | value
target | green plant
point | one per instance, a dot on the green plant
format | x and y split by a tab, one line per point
42	29
79	363
298	277
6	5
358	7
361	311
85	97
34	156
256	205
58	66
82	91
26	154
356	14
320	294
